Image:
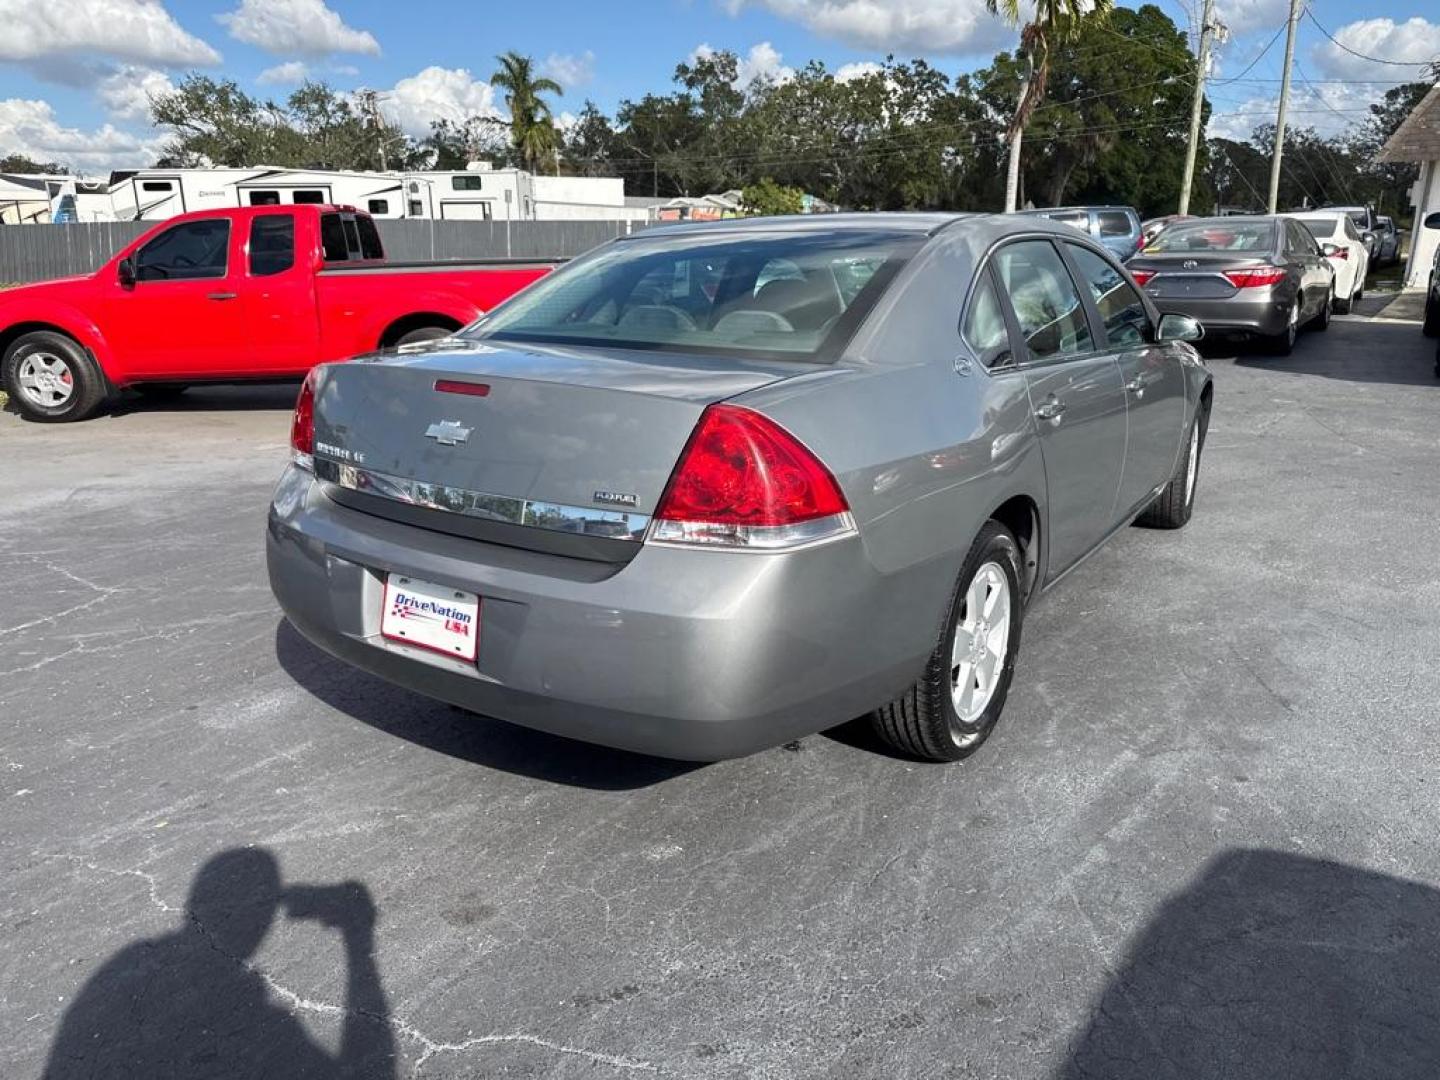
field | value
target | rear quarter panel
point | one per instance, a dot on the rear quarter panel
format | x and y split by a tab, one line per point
924	453
356	309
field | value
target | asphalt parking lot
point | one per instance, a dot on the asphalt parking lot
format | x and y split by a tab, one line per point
1202	842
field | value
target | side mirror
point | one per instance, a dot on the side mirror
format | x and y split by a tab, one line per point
1368	236
1330	250
126	273
1432	221
1180	328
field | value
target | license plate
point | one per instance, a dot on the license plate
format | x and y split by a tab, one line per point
431	616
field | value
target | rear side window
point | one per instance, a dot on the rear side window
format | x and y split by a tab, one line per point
984	330
1123	312
332	238
370	246
195	249
1078	219
272	244
1046	302
1115	223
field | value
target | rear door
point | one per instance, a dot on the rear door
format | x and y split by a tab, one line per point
278	297
1075	393
1154	382
180	318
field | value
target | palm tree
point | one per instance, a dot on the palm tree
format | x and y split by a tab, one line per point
532	131
1056	23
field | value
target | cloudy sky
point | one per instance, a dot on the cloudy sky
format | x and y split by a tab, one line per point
75	75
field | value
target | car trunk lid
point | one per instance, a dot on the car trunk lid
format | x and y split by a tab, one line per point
1194	275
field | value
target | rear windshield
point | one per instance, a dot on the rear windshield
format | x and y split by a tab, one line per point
1215	236
1361	218
794	296
1320	228
1115	223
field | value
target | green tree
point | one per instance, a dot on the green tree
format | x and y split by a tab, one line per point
768	197
19	163
591	143
1056	23
532	130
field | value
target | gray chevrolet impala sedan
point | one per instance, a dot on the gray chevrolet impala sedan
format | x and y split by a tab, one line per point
715	486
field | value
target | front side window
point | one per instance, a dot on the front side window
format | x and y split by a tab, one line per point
195	249
1126	322
1047	305
796	295
985	330
272	244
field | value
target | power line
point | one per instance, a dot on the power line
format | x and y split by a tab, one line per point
1363	56
1260	56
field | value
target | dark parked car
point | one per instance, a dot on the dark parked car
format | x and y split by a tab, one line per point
1431	327
1262	276
1117	227
1387	246
715	486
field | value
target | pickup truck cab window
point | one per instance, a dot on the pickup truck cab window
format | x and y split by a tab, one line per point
272	244
193	249
1126	323
1047	304
332	239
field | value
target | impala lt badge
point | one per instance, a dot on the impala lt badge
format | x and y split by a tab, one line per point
448	432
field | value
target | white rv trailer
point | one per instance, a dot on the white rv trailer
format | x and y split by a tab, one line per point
479	193
154	194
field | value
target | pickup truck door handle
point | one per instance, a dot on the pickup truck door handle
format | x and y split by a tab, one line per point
221	296
1051	410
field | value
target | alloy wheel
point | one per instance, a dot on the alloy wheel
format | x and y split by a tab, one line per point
982	638
45	379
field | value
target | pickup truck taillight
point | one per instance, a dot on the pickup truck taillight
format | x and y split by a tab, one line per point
1256	276
302	425
743	481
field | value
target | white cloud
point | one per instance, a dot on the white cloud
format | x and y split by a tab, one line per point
298	27
1415	41
953	27
569	70
437	94
287	74
857	70
763	61
137	30
127	92
30	128
1244	16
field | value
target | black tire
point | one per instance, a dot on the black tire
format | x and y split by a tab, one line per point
1174	505
1431	326
89	390
923	721
1283	343
160	391
1321	321
423	333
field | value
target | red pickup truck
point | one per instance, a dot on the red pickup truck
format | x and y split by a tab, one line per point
259	293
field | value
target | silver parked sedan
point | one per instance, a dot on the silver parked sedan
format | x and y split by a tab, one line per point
713	487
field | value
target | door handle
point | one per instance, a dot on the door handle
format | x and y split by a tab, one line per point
1051	410
220	296
1136	385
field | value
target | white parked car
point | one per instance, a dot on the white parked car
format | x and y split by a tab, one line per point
1340	240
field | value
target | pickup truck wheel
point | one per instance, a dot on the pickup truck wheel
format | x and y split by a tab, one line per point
51	378
955	704
1173	507
424	333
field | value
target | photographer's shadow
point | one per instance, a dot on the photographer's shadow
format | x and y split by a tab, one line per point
190	1005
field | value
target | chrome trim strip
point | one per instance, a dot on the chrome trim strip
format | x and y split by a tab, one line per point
557	517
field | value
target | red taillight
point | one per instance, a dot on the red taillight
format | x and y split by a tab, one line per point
1340	253
1142	276
302	425
745	481
1254	277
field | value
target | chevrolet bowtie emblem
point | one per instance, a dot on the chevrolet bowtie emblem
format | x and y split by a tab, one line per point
448	432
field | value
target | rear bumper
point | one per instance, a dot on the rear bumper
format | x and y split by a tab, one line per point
1265	314
696	655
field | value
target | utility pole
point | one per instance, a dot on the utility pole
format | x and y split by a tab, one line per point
1284	104
1208	27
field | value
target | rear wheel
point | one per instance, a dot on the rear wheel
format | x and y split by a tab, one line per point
1283	343
1322	317
1174	505
955	704
51	378
1431	326
423	333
